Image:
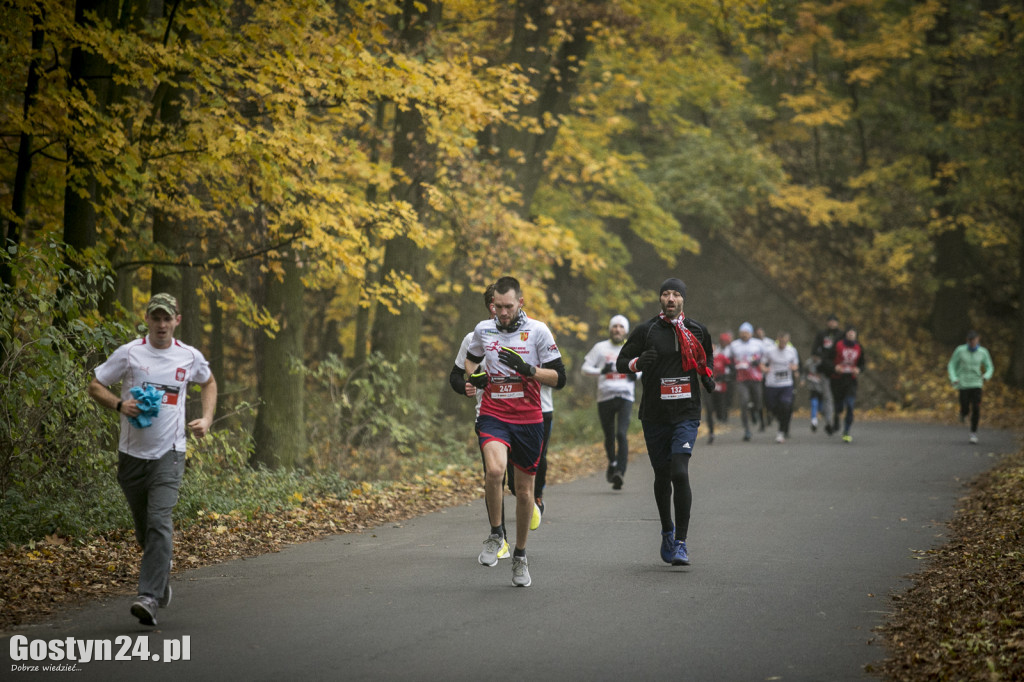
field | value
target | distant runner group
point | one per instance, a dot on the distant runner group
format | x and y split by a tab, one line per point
761	374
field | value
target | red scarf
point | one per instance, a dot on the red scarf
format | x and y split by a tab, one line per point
693	355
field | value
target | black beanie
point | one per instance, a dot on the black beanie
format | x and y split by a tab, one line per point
673	284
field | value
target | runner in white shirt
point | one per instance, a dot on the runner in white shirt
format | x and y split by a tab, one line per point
615	393
781	365
519	354
461	384
151	457
745	353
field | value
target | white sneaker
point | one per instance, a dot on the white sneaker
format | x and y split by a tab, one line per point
779	438
492	545
974	439
520	573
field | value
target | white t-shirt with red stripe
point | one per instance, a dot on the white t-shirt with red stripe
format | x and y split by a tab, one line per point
746	358
509	396
170	370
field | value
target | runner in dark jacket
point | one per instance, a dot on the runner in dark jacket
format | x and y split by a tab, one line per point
824	347
676	357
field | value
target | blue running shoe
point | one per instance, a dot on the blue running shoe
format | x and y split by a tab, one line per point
680	557
668	545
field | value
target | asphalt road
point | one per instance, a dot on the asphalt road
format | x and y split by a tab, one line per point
795	549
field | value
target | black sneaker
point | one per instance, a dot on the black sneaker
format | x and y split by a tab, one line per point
617	481
144	608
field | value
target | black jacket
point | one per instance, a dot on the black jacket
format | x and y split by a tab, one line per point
825	347
660	335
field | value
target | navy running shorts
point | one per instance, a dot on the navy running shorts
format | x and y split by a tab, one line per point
524	442
664	440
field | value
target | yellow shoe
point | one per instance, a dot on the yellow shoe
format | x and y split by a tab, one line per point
503	553
535	519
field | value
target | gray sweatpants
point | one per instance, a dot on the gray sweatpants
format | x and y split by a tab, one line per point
151	488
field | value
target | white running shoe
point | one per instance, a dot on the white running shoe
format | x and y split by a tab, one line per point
520	573
492	545
779	438
974	439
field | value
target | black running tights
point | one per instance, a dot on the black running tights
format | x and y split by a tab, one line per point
674	476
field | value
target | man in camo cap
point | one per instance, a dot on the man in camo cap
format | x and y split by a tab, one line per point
154	373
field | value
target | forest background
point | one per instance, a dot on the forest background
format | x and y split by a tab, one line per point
327	187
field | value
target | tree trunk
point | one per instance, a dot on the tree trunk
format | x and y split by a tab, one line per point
280	430
19	199
1015	372
214	345
89	73
166	234
950	310
555	77
364	314
415	159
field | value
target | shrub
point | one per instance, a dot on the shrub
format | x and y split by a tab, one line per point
51	434
369	425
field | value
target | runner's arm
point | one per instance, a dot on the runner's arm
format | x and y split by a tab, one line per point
200	427
457	380
107	398
590	366
473	363
551	373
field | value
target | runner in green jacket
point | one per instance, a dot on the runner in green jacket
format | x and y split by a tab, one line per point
969	368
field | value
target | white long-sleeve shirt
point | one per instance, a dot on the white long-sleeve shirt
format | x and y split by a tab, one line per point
613	384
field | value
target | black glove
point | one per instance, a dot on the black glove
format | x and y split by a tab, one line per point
479	379
647	360
608	368
709	383
515	361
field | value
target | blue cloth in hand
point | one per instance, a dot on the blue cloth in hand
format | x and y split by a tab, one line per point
148	400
